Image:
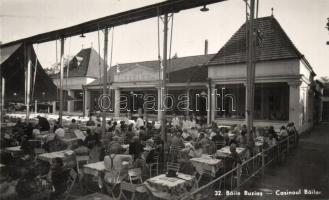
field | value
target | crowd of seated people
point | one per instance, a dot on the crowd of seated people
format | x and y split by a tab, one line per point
145	143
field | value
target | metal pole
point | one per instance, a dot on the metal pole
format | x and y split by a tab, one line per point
61	82
250	72
105	77
28	82
164	79
2	94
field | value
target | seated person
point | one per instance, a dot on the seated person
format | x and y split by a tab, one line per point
115	147
30	186
186	136
234	157
136	147
90	122
26	146
176	140
196	151
59	176
73	126
185	165
116	166
55	145
43	124
81	150
90	139
218	137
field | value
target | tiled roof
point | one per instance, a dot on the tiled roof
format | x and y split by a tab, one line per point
180	69
275	44
84	64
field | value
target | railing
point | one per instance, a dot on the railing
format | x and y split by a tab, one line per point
228	184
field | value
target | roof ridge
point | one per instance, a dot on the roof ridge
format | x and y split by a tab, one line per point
276	44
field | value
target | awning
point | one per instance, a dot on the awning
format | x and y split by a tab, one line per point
6	52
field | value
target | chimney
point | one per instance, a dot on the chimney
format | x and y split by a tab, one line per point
206	47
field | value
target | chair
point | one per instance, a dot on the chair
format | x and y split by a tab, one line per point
220	144
174	153
38	151
154	164
173	166
70	183
205	173
129	187
135	174
81	160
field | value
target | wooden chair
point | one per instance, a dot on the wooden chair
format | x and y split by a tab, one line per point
80	160
153	165
173	166
38	151
220	144
128	187
70	183
174	153
204	174
135	174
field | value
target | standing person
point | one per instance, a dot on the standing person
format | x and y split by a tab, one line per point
73	126
139	122
57	125
175	121
59	176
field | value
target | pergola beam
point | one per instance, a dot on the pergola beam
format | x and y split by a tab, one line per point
118	19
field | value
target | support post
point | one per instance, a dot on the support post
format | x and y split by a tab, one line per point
36	106
28	82
250	73
61	83
164	79
116	103
105	77
2	99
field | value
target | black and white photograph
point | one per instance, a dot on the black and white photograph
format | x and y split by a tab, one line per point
164	100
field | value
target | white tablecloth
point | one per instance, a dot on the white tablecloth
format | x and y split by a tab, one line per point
171	188
94	168
66	155
225	151
207	163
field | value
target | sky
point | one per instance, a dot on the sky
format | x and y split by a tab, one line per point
303	20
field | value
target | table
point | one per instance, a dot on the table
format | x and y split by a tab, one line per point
68	157
225	151
95	196
94	169
70	141
171	187
15	151
205	162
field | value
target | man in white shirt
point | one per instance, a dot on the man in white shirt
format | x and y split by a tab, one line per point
139	122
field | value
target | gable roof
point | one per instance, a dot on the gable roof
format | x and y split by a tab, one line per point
86	63
180	69
13	64
275	44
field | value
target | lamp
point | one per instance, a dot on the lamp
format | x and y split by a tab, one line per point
204	8
82	35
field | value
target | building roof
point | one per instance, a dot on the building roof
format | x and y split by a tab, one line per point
272	44
184	69
86	63
13	65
